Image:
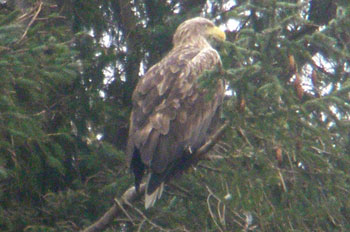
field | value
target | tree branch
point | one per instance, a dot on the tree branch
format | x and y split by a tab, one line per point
31	22
131	195
128	197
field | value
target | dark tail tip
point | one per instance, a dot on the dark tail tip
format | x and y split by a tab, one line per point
154	182
138	168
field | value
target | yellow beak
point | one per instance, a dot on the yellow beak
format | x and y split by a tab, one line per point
217	33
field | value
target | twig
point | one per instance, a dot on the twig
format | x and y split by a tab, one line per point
180	189
212	157
211	141
209	168
47	18
211	194
242	133
123	209
238	216
140	226
148	220
131	195
31	22
282	181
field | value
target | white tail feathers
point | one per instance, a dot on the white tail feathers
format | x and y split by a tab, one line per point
150	199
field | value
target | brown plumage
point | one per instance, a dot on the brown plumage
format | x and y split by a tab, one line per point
171	115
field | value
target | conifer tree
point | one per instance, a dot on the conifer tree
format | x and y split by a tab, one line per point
67	72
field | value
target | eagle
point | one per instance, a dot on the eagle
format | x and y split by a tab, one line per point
171	114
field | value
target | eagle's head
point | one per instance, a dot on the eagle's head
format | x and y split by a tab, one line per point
192	29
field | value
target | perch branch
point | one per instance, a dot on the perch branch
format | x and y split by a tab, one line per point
211	142
131	195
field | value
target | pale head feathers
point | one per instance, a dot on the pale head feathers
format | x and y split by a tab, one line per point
197	30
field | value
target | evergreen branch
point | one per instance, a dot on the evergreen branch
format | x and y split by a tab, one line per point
120	206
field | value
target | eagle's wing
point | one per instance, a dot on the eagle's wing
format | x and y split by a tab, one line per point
170	113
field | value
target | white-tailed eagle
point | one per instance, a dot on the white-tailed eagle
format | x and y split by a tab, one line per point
171	115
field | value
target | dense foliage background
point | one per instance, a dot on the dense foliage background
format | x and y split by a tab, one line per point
67	71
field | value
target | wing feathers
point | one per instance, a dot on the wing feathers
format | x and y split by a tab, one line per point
170	112
148	149
168	87
161	122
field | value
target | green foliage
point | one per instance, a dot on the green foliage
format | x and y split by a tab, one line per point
66	80
44	141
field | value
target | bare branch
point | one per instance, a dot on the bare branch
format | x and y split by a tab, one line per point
31	22
129	196
211	141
